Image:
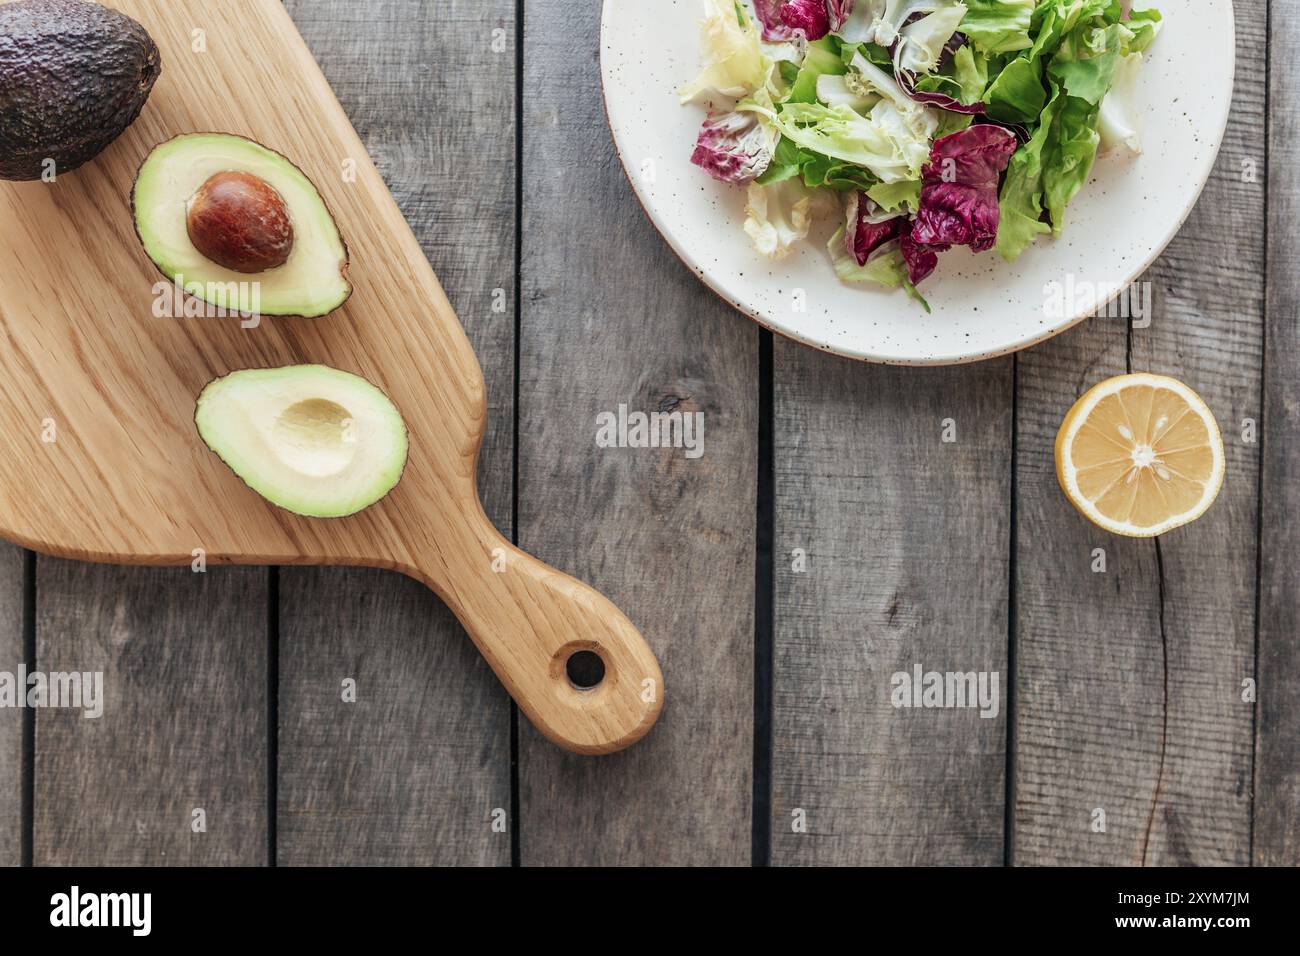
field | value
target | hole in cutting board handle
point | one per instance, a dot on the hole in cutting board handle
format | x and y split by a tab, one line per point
582	667
585	669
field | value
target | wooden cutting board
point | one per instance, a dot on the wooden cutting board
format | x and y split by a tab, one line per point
125	479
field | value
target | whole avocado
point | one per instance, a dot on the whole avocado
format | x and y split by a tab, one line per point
73	76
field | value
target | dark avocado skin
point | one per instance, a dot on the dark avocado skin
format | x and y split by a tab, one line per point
73	76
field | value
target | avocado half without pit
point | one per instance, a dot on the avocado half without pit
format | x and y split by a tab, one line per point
312	439
240	226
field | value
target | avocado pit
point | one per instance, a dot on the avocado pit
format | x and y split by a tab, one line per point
240	222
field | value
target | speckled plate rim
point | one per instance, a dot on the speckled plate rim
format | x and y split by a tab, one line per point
1200	175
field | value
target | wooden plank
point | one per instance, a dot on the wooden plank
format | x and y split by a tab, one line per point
1277	768
611	317
13	771
905	539
1129	682
183	658
1089	675
413	771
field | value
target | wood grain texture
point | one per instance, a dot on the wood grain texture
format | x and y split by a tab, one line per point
12	768
129	480
1277	766
412	772
906	539
1089	676
184	717
610	317
1129	683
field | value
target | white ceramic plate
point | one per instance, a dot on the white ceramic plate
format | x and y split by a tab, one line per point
983	306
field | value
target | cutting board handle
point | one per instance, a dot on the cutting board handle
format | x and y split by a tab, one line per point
529	620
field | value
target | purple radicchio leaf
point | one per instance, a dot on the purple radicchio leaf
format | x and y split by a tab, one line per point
959	189
838	11
807	18
870	230
733	147
810	19
866	228
921	259
790	19
769	13
955	43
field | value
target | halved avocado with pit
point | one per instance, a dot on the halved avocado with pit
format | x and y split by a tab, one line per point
314	440
240	226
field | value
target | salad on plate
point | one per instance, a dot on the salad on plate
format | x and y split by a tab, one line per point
934	123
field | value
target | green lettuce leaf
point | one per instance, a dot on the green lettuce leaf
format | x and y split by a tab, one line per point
822	59
893	197
1047	172
1068	155
971	72
787	162
1143	26
882	141
778	216
1018	94
921	43
1021	200
733	54
817	169
1055	19
998	26
1084	64
789	71
1119	122
950	123
964	79
886	267
820	170
871	52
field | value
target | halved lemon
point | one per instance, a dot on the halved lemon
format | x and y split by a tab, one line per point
1140	455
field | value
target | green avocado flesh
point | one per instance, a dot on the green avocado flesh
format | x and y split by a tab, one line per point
313	282
73	76
314	440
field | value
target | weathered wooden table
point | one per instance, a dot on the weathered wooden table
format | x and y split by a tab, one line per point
828	538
